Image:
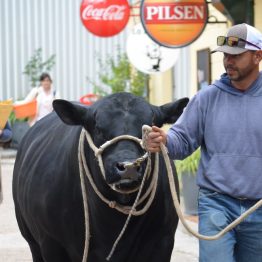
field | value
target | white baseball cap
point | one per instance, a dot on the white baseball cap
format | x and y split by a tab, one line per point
245	37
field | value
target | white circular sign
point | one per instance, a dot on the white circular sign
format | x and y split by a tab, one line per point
148	56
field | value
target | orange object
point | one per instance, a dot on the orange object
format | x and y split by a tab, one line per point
89	99
6	108
174	23
25	110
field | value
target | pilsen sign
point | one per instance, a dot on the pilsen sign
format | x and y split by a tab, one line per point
174	23
104	17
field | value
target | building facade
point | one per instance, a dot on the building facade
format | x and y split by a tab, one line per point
56	27
185	77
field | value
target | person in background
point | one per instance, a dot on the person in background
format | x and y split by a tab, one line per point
224	119
44	95
5	137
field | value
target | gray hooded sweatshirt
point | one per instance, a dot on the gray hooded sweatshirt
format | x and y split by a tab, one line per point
227	124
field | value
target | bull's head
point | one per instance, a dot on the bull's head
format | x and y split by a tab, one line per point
117	115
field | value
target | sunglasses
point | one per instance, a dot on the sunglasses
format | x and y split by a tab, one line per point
233	41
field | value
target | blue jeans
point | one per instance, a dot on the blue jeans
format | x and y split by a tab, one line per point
243	243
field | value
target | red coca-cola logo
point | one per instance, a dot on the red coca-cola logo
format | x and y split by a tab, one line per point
104	17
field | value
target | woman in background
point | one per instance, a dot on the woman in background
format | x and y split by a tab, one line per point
44	95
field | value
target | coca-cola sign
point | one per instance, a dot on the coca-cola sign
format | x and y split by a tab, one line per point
104	17
174	23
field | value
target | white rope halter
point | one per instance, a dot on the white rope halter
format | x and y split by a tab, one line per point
127	210
98	154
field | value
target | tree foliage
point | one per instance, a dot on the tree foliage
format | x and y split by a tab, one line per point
36	66
189	164
118	75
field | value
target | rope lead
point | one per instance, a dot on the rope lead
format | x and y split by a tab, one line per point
127	210
177	205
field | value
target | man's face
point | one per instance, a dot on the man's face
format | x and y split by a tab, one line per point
239	67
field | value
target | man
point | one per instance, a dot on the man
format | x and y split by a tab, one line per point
225	119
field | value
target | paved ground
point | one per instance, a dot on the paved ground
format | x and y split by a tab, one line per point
13	247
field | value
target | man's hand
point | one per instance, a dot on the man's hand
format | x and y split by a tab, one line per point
155	137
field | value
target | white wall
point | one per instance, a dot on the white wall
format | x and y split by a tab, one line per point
185	70
258	18
55	26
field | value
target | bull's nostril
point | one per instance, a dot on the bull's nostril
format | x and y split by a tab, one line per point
120	167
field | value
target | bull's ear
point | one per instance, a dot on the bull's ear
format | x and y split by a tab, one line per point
71	113
169	113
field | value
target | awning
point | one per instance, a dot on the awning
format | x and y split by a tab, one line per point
240	11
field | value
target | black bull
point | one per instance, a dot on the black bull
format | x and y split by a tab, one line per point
47	192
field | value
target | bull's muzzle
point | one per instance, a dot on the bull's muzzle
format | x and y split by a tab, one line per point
129	175
127	171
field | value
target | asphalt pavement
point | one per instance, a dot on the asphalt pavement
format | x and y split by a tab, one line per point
13	248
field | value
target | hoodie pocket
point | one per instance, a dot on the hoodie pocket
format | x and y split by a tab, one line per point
238	175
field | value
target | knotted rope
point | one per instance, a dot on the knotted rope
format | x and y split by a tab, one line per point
146	130
127	210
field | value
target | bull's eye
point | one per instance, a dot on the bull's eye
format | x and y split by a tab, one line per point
98	132
98	137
